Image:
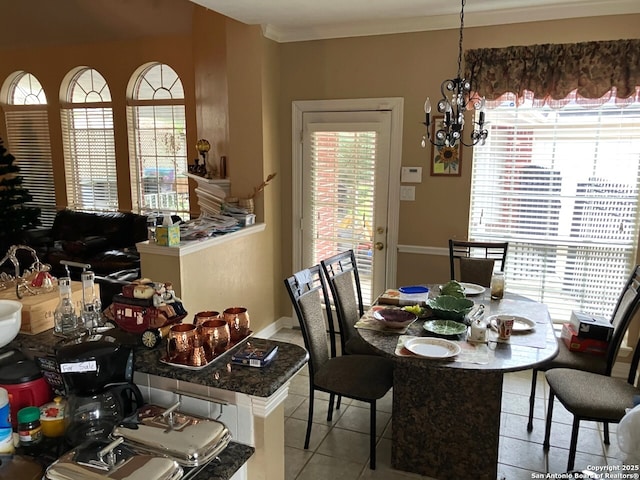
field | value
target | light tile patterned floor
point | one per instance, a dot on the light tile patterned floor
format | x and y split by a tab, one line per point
340	449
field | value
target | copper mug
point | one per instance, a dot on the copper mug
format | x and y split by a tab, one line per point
181	342
198	356
215	337
202	317
238	320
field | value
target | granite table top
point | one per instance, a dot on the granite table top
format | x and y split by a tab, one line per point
514	355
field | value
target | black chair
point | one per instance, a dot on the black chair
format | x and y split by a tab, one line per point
622	315
360	377
590	396
341	272
476	260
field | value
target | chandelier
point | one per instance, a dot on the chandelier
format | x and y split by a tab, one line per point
454	102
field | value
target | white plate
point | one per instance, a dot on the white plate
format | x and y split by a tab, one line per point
430	347
472	288
520	324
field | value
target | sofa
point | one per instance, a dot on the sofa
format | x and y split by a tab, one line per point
106	241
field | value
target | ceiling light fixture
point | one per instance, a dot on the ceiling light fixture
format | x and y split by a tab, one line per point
448	131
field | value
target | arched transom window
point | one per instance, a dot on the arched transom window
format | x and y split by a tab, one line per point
87	128
28	140
157	141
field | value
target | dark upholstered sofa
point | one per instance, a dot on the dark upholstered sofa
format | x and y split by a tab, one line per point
106	241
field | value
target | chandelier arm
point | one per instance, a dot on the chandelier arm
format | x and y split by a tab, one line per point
453	107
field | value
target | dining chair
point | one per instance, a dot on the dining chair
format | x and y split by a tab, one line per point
623	313
476	260
366	378
341	272
592	397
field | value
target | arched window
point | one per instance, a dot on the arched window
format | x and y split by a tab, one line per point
157	141
28	140
89	151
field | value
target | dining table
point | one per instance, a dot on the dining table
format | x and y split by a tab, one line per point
447	411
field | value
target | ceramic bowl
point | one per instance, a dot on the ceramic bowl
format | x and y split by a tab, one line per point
394	317
10	320
447	307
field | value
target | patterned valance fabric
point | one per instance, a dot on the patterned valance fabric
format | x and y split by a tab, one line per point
551	72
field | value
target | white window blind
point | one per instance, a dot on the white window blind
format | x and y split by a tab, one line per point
341	205
157	143
561	186
28	138
89	149
28	141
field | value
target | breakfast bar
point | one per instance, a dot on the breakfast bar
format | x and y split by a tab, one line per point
446	413
249	401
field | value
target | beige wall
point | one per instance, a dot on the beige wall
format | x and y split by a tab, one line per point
239	87
412	66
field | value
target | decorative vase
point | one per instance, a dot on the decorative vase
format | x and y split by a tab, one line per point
247	204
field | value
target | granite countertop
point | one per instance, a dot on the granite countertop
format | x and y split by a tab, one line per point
259	382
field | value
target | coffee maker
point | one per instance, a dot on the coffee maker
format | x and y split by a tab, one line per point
97	371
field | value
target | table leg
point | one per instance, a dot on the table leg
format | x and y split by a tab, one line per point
446	421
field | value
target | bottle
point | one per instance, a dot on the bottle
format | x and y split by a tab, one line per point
29	427
497	286
91	305
64	316
151	228
6	432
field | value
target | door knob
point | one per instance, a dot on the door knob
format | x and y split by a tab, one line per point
379	245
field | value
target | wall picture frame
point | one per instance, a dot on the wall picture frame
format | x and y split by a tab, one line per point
445	161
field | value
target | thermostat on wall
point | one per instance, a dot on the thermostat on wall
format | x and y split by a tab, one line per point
411	175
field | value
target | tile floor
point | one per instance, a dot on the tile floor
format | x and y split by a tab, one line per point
340	449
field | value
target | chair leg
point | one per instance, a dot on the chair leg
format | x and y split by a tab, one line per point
605	427
332	397
372	437
574	443
309	420
532	398
338	402
547	429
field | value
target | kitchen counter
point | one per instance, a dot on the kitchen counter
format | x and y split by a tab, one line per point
250	400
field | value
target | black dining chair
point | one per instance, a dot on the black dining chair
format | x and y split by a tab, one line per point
621	319
476	260
341	272
365	378
592	397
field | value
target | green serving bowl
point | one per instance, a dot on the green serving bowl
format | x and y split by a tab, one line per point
446	307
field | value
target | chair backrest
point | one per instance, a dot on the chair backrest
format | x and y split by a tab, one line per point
341	272
496	251
623	313
308	292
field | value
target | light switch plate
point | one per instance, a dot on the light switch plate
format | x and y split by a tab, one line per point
407	193
411	175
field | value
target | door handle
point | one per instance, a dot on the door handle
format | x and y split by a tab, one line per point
379	245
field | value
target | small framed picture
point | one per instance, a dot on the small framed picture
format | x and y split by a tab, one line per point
445	161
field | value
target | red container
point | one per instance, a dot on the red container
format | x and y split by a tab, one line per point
26	386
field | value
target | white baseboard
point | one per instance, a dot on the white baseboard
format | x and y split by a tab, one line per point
272	328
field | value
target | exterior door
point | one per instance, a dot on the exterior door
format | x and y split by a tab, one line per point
345	191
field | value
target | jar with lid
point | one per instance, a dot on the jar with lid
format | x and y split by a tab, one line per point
52	417
29	427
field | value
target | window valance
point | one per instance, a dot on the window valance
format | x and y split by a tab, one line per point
593	70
